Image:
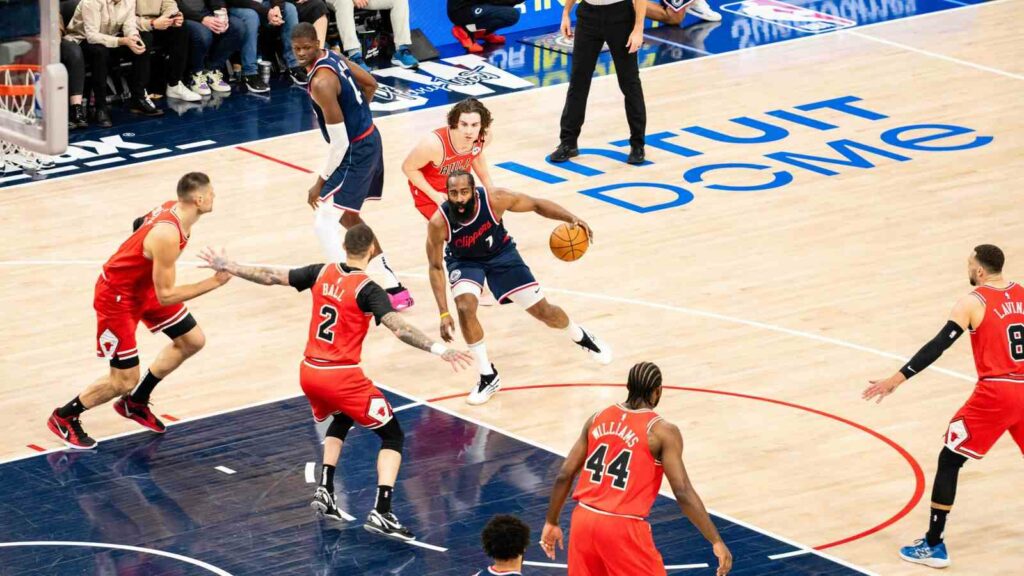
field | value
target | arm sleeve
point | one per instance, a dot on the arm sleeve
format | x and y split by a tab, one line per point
931	351
304	278
373	299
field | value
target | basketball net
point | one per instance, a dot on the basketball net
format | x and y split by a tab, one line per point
18	99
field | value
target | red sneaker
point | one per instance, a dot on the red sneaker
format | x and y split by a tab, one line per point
139	412
465	40
70	432
489	38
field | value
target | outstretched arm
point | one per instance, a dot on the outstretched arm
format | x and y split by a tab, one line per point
259	274
503	199
968	312
552	533
412	336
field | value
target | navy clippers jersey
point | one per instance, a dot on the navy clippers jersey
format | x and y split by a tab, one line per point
354	108
482	238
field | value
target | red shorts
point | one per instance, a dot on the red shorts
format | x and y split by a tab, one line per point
608	545
992	409
424	201
344	389
118	316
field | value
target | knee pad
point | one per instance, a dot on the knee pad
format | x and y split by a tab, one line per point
949	459
340	425
391	436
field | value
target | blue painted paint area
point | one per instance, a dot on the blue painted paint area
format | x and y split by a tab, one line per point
163	493
241	117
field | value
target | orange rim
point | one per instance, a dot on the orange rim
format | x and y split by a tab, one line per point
18	89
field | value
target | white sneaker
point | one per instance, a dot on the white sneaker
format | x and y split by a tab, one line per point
198	84
598	350
700	9
181	92
216	81
487	387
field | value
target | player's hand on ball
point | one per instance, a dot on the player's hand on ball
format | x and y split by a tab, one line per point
549	537
586	227
458	359
447	328
882	388
724	558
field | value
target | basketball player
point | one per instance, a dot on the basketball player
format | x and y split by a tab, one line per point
138	284
672	12
479	249
458	146
354	170
344	299
505	539
994	313
625	449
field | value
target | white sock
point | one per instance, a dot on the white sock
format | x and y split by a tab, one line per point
574	331
328	231
379	265
479	351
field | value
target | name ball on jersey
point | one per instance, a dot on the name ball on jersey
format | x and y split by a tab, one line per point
568	243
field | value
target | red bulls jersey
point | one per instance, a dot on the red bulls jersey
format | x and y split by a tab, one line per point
998	343
128	270
620	475
338	325
437	174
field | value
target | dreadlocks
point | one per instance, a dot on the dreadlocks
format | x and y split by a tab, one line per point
644	380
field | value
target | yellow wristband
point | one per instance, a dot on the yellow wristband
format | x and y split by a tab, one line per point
443	314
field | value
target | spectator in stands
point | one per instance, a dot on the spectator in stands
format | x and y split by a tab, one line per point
314	12
505	539
251	12
480	19
74	61
213	36
107	31
162	24
344	11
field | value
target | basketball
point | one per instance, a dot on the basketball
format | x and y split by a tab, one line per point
568	243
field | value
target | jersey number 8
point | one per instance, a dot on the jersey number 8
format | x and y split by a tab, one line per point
1015	332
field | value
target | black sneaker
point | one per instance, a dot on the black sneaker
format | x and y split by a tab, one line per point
563	153
636	155
76	116
298	75
256	85
487	387
324	504
598	350
387	525
102	117
143	105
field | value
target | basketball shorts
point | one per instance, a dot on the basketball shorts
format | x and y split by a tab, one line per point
993	408
424	201
359	177
118	316
608	545
676	5
346	390
507	276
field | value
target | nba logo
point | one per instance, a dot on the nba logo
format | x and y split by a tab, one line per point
788	15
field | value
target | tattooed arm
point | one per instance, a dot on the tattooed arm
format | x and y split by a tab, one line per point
405	332
259	274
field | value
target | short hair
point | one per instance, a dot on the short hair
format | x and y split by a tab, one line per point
505	537
460	173
644	380
358	240
306	31
990	257
191	182
470	106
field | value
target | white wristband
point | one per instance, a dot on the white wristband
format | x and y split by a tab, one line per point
438	349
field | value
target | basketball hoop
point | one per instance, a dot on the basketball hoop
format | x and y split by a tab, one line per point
18	99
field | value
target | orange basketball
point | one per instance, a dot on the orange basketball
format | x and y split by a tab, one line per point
568	243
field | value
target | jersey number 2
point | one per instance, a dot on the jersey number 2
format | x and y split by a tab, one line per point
618	468
1015	332
325	331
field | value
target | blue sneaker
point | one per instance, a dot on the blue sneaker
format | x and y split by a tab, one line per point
403	57
921	553
357	58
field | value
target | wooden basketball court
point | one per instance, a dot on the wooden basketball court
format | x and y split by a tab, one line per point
754	301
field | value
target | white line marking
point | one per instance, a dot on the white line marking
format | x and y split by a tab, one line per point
13	178
149	153
172	555
678	45
517	93
199	144
425	545
957	2
310	472
974	65
407	406
789	554
49	171
348	517
105	161
543	564
224	469
667	566
685	566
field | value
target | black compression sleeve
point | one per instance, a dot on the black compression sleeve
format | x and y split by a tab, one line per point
931	351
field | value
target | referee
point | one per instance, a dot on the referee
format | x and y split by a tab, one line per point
620	23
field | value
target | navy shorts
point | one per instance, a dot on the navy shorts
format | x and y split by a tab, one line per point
359	177
505	272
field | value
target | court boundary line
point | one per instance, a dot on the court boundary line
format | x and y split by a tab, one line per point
935	55
745	50
153	551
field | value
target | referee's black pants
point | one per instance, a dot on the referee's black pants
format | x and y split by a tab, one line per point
596	25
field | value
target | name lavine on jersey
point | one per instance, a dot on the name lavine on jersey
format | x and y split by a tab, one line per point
1009	308
615	429
468	241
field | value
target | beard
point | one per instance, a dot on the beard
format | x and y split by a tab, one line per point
972	279
464	212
